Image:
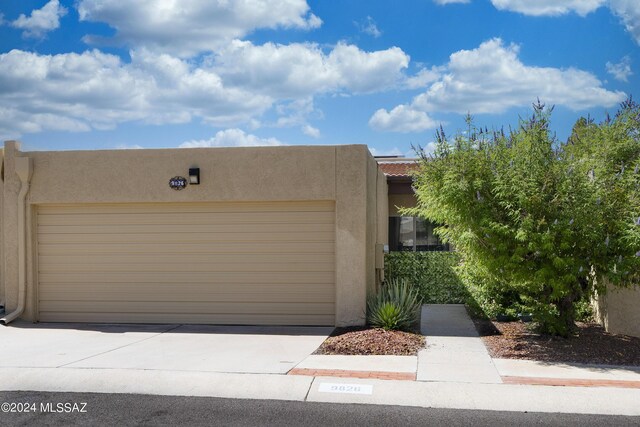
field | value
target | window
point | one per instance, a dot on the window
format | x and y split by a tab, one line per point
407	233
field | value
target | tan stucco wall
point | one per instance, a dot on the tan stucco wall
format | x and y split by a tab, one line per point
351	234
618	310
400	201
377	228
345	174
227	174
9	242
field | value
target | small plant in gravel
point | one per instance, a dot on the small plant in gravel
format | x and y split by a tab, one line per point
395	307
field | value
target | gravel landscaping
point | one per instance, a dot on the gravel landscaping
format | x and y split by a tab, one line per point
591	344
360	341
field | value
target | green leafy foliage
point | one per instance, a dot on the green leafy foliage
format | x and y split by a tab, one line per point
489	296
537	218
395	307
432	274
584	310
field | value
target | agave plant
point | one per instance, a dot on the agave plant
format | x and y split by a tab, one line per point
395	307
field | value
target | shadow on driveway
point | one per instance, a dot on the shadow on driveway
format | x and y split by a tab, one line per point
119	328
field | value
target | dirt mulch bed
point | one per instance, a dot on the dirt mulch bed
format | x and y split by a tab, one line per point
591	344
359	341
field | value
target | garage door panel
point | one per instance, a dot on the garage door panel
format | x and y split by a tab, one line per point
164	318
170	235
190	277
209	218
65	259
120	209
55	234
187	248
205	307
142	294
229	263
120	289
268	267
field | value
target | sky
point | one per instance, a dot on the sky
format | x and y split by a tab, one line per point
117	74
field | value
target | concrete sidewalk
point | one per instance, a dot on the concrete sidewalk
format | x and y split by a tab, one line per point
455	352
453	371
502	397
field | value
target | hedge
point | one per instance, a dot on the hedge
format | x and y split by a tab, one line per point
432	273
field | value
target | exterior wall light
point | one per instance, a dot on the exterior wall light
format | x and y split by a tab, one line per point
194	176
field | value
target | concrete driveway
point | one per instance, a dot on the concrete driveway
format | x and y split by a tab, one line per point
236	349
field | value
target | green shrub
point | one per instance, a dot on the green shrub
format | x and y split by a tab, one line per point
395	307
543	215
584	310
441	278
493	296
489	296
432	274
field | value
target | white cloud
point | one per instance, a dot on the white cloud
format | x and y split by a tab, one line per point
620	71
41	20
294	113
232	138
14	122
627	10
185	28
369	27
401	119
549	7
395	151
629	13
491	79
311	131
235	86
77	92
423	77
129	147
365	72
427	149
299	70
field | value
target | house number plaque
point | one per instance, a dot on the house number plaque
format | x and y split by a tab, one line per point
178	182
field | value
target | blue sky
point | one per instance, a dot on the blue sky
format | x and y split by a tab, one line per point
100	74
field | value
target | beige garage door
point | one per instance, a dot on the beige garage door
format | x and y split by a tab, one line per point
219	263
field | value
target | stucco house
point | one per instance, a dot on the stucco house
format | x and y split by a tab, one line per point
267	235
264	235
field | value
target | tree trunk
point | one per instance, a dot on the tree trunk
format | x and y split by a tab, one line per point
566	318
566	309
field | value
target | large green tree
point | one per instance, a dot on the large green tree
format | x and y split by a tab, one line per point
550	220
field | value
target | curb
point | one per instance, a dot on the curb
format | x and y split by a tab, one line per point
402	376
569	382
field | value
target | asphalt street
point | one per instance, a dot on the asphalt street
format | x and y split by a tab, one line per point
69	409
